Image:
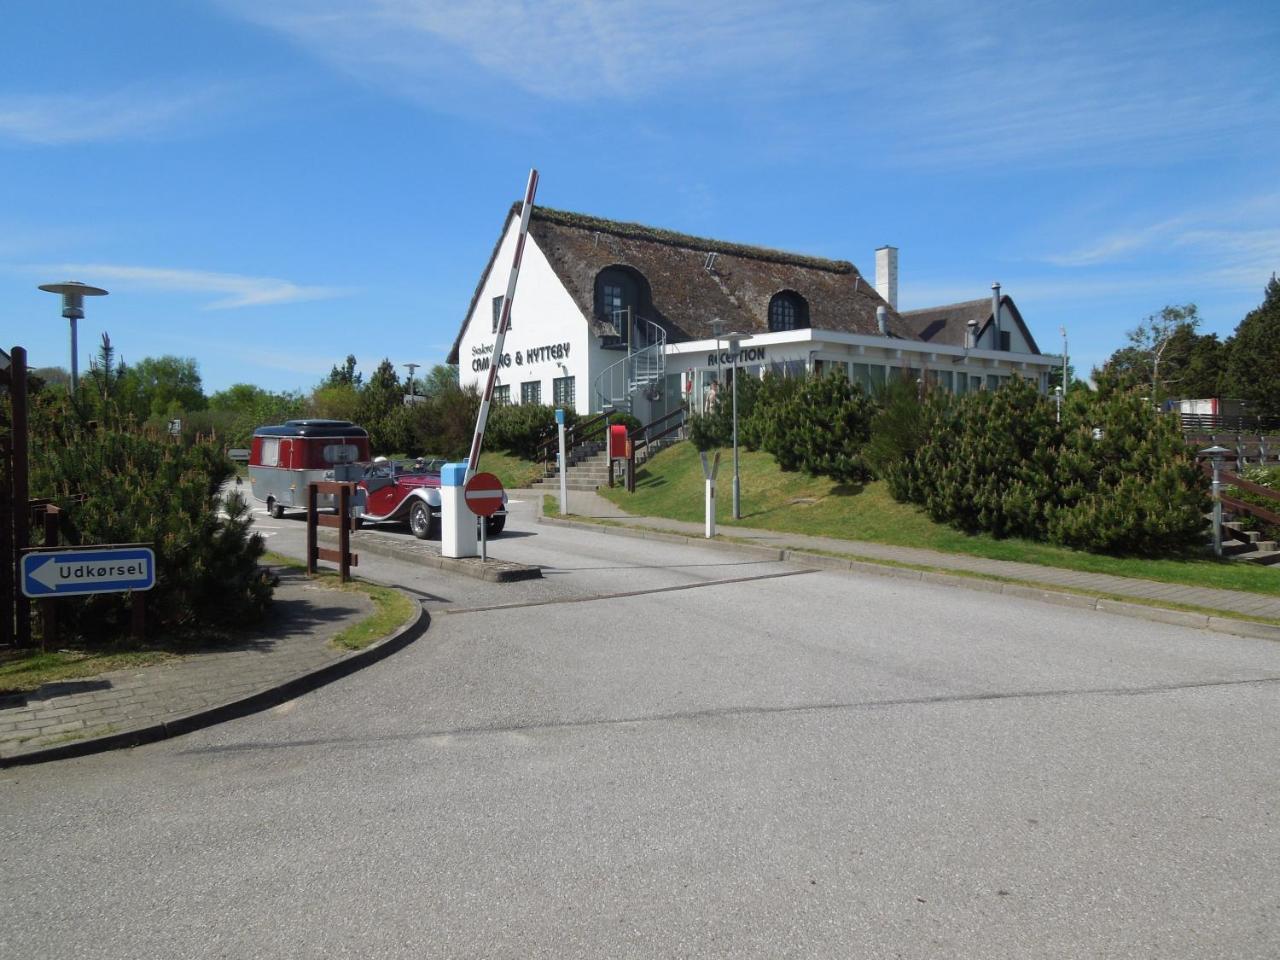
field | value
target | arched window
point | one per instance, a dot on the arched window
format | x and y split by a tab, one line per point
616	290
622	296
788	311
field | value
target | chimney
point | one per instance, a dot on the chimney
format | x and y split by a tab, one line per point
887	275
995	316
882	320
971	334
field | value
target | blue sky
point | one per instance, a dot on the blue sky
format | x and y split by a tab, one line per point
267	185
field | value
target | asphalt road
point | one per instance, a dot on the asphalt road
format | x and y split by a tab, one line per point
735	759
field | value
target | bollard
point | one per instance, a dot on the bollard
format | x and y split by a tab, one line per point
709	469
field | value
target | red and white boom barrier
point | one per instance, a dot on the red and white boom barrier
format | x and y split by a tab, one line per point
504	321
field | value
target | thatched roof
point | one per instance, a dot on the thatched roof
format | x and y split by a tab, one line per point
689	286
946	324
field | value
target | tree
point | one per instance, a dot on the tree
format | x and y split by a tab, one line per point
345	376
441	378
1193	364
380	409
106	373
1253	356
162	386
1140	363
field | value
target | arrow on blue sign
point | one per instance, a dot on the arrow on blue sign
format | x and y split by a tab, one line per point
61	573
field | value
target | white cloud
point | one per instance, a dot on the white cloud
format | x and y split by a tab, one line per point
135	112
925	82
235	290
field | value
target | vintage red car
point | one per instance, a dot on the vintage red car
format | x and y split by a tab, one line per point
408	491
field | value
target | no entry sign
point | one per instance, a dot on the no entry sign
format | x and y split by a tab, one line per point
484	494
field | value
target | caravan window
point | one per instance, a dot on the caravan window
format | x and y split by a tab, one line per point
271	451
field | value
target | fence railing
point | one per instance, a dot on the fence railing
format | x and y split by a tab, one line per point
584	431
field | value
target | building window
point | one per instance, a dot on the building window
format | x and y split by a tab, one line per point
531	391
788	311
619	290
562	392
502	395
497	314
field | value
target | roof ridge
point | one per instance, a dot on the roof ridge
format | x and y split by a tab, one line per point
947	306
640	231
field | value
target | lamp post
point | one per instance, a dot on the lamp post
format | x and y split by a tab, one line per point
1065	383
1217	454
1057	399
412	367
73	293
735	340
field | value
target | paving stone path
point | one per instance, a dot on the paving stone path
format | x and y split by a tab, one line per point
294	642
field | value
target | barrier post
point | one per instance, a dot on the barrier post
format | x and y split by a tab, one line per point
457	522
564	480
709	469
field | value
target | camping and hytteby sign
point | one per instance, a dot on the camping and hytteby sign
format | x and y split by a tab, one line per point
66	573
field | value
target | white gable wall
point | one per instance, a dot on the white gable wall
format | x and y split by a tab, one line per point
548	337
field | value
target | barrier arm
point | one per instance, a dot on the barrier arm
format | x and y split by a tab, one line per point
473	459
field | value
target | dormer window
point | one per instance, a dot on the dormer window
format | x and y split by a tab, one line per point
622	298
788	311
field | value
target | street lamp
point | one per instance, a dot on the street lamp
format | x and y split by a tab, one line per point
1217	454
1057	399
73	293
412	367
735	340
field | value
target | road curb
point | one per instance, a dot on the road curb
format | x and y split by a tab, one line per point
493	571
240	707
1182	618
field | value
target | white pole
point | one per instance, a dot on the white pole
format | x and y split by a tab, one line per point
711	508
563	460
737	489
473	459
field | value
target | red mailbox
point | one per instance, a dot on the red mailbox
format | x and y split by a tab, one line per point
618	441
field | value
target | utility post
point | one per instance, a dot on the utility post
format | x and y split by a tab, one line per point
1216	454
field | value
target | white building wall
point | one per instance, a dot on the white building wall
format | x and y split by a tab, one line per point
548	338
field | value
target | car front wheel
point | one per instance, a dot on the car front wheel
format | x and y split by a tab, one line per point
420	520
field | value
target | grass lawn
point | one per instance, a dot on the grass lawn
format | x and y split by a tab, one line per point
22	671
514	472
671	485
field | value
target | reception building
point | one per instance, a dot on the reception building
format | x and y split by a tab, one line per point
630	317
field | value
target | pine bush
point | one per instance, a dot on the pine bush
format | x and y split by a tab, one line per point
143	487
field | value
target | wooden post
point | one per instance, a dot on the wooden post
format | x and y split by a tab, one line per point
311	529
49	608
344	533
139	615
7	559
21	491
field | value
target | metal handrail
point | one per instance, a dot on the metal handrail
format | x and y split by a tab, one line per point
579	433
621	379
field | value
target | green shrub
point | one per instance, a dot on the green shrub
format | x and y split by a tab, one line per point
1132	489
141	486
897	432
818	425
521	429
986	463
757	430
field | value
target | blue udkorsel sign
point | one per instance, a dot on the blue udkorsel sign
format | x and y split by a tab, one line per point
65	573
